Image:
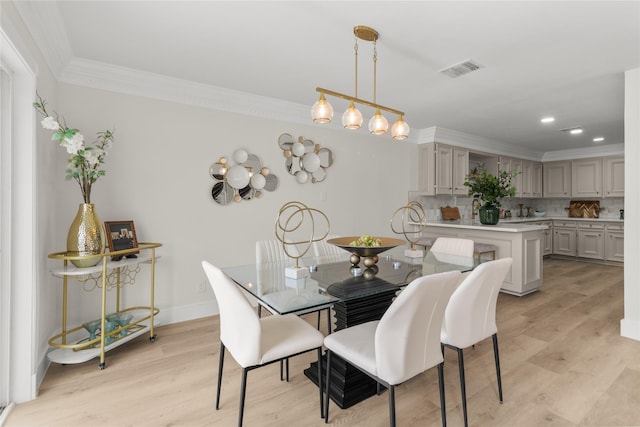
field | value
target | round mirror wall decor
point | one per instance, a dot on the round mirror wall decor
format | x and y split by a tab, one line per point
304	159
242	178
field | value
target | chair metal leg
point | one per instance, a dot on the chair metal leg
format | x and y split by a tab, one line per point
286	362
328	380
392	406
328	320
443	406
259	310
463	389
320	381
497	359
243	391
281	370
318	327
220	364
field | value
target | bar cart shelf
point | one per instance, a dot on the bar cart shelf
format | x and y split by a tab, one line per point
73	344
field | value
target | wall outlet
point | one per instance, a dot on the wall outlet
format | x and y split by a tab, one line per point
202	286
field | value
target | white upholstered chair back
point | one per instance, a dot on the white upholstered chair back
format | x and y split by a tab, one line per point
453	246
272	250
240	329
407	339
323	249
471	313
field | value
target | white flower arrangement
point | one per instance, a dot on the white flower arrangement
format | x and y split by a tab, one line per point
85	161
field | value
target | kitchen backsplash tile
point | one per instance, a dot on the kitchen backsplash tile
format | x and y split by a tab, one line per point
609	207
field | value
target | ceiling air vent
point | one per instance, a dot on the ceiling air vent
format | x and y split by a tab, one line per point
460	69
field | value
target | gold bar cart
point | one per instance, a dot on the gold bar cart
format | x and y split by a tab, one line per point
105	275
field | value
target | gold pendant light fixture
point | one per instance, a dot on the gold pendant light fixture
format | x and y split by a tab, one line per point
322	111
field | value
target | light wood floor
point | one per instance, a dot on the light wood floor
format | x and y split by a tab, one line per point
563	364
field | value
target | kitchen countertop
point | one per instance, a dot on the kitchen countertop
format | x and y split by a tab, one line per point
558	218
502	226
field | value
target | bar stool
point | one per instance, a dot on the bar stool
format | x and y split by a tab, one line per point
479	248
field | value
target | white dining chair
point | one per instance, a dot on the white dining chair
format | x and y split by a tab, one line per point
403	343
470	316
453	246
253	341
322	249
271	251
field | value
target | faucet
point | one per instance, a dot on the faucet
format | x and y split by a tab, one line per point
475	205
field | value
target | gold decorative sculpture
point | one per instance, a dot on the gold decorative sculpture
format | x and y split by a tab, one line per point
297	227
412	221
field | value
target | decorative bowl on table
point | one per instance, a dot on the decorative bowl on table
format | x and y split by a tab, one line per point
369	253
539	213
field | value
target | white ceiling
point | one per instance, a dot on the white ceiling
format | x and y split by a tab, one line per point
565	59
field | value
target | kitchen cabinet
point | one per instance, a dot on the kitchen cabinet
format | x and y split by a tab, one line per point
442	169
556	179
614	242
564	238
547	237
586	177
613	176
514	166
528	181
536	179
591	240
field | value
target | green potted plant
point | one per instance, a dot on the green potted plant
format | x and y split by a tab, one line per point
490	190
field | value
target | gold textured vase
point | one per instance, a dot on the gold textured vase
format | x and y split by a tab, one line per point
86	236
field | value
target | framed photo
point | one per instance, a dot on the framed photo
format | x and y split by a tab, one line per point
121	235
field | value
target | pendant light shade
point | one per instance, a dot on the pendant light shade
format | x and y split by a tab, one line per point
400	129
378	124
352	117
322	111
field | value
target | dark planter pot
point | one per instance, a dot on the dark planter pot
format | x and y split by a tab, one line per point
489	214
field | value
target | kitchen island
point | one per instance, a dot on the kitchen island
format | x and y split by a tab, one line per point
522	242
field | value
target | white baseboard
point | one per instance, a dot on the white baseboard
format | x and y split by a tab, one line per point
630	329
183	313
5	413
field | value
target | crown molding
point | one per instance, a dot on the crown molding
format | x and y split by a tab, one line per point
583	153
45	24
100	75
475	143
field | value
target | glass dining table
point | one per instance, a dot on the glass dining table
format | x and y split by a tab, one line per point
356	294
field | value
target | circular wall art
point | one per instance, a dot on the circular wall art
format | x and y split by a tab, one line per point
304	159
242	178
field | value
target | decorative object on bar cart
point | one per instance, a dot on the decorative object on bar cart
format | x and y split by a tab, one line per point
490	190
242	178
305	159
298	226
410	220
121	235
86	235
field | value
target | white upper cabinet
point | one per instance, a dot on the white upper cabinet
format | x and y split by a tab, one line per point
613	176
515	167
586	177
442	169
556	179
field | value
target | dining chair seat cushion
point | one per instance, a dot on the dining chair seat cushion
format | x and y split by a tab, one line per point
356	344
286	335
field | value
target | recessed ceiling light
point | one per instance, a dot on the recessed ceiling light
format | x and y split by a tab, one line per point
598	139
576	131
547	119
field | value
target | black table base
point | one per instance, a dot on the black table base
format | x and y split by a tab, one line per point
348	384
